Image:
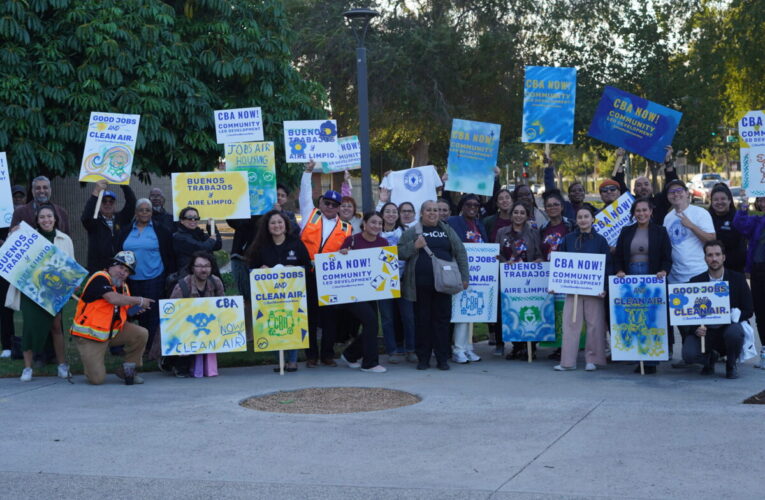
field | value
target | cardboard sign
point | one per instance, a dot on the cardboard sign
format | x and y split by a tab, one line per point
577	273
6	196
109	148
349	156
478	304
473	150
358	276
610	221
311	140
635	124
238	125
215	195
202	325
279	308
549	96
257	160
39	269
699	303
751	131
638	318
528	311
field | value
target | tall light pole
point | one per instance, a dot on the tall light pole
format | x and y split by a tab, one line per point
359	20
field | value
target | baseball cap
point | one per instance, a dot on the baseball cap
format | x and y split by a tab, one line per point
333	196
18	188
110	194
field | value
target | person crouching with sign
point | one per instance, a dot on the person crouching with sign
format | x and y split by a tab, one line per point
101	321
726	340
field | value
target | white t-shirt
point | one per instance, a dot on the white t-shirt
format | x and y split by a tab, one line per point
687	250
415	185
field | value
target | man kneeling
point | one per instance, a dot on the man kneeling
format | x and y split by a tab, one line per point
100	321
723	339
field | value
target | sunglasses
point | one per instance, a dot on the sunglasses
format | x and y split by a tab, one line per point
608	188
191	218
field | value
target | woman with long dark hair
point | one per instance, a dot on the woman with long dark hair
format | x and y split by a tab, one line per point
723	211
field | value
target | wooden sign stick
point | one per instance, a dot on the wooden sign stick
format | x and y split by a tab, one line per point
98	204
576	300
529	349
281	362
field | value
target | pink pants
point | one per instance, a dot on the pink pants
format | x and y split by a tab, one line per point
591	310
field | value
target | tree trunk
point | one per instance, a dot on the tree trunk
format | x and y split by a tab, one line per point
419	153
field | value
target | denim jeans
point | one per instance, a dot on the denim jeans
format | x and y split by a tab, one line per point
388	322
290	356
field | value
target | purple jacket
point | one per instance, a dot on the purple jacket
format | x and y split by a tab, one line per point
750	226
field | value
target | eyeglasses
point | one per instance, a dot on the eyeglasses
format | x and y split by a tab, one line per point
143	210
608	188
675	191
191	218
330	204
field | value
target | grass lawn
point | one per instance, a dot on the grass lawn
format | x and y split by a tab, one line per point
12	367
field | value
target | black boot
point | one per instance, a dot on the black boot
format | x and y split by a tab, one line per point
709	366
731	370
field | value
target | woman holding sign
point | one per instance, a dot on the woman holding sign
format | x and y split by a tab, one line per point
364	346
643	248
275	244
519	242
38	323
433	308
591	309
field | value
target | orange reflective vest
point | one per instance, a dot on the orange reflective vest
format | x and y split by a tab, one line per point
99	320
312	232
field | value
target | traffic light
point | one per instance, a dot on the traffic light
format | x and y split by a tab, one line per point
525	175
525	164
714	134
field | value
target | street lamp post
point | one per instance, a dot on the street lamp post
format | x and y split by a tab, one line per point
359	20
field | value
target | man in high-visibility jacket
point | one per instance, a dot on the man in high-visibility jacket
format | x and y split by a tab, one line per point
322	232
100	321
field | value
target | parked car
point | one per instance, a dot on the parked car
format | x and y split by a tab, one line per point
739	196
701	186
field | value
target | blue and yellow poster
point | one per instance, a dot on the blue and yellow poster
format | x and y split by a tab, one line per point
549	96
528	311
202	325
638	318
473	150
635	124
699	303
38	269
279	308
257	159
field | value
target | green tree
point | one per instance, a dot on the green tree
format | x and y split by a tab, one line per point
171	62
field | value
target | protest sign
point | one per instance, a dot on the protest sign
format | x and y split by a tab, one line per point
279	308
109	148
311	140
577	273
549	96
349	156
699	303
635	124
202	325
610	221
215	195
751	131
358	276
238	125
528	311
38	269
753	171
478	304
257	159
638	318
6	197
473	150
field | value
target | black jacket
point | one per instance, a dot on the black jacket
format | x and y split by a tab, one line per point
103	241
659	249
735	242
165	244
164	219
186	242
659	201
290	253
740	294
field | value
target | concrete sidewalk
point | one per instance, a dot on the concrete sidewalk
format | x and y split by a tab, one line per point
494	429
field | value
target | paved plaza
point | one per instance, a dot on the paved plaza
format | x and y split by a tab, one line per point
494	429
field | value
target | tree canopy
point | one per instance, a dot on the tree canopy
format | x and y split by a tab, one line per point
172	62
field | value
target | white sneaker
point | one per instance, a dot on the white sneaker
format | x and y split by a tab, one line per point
561	368
63	370
460	358
26	375
375	369
6	353
590	367
350	364
471	356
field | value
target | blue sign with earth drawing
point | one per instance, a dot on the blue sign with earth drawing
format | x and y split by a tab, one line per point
638	318
473	150
635	124
549	95
528	311
38	269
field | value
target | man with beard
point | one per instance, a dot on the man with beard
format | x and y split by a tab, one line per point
643	188
41	193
